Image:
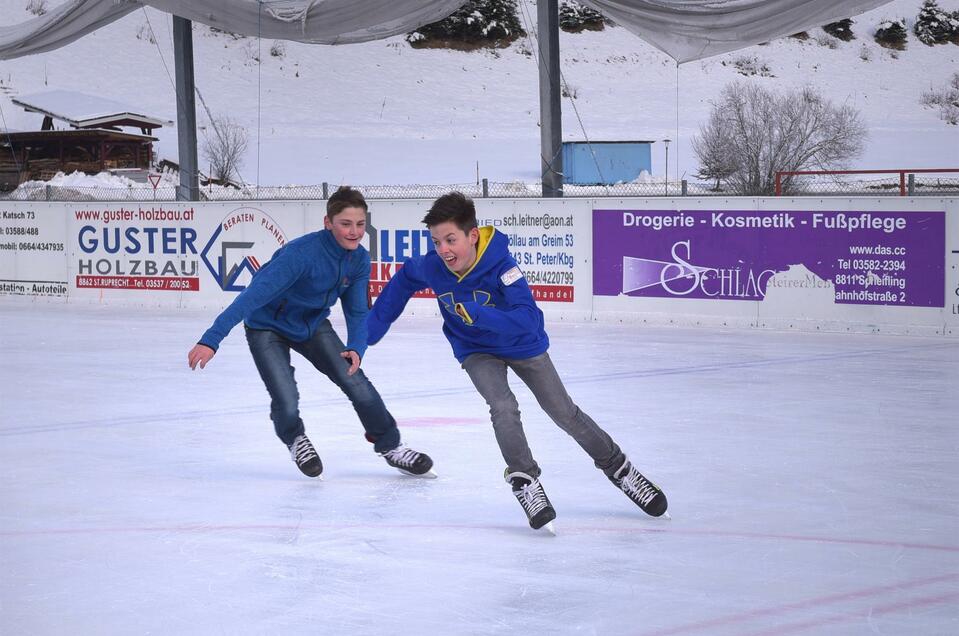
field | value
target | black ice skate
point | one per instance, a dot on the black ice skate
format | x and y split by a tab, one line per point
408	461
531	496
643	492
305	457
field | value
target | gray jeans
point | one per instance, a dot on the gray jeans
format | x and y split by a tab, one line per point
488	374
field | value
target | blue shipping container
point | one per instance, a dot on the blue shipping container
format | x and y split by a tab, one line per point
614	162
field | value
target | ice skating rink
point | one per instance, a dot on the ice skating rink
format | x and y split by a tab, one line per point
813	482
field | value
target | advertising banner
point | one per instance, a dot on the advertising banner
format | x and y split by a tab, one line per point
136	247
852	264
952	285
175	252
543	243
33	239
395	233
864	257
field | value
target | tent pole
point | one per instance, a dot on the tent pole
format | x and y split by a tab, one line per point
189	189
550	112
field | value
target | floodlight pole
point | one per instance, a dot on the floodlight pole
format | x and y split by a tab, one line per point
189	188
666	141
550	112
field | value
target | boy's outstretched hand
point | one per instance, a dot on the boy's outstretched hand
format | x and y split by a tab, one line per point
200	355
353	358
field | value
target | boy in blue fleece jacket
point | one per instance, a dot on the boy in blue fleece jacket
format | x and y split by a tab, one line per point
493	324
286	306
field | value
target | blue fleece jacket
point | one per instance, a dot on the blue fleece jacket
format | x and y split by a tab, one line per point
294	291
501	317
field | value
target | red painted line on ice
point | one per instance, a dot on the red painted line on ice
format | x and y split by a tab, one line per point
808	603
774	536
873	611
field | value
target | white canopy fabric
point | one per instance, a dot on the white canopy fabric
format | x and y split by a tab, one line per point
311	21
686	30
59	27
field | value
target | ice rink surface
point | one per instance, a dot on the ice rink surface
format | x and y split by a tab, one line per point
813	482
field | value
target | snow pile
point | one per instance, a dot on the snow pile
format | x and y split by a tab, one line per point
645	177
83	180
79	186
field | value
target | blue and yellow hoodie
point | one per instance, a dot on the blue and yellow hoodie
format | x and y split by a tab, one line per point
294	291
502	318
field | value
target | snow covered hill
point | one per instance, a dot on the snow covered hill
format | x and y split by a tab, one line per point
384	113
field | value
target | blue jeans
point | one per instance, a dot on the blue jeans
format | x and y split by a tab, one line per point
271	353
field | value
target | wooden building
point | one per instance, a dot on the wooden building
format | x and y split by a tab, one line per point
93	142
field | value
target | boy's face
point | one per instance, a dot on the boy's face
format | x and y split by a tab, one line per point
348	227
456	247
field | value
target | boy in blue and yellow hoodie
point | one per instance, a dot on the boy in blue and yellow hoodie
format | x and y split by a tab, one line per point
286	307
493	324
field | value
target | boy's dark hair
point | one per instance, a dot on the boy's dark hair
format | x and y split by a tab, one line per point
455	207
345	197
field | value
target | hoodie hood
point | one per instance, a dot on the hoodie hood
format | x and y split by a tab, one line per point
491	248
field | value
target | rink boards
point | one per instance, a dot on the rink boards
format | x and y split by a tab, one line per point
888	265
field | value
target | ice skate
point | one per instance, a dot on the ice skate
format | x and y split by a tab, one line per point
410	462
531	496
643	492
305	456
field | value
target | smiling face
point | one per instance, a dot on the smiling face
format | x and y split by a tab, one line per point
348	227
456	247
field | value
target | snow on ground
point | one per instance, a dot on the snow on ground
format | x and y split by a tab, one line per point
384	113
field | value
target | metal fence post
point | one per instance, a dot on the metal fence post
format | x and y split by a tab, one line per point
48	189
911	188
485	188
684	187
326	190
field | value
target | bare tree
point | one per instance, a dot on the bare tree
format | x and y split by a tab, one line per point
224	147
712	146
759	133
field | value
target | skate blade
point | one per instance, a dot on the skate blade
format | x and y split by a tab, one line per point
666	516
549	529
427	475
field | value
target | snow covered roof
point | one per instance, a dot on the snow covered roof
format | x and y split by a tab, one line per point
73	133
86	111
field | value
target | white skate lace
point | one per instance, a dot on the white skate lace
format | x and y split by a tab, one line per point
635	485
403	456
532	497
302	450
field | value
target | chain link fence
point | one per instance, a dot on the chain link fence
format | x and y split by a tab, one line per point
945	184
921	185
